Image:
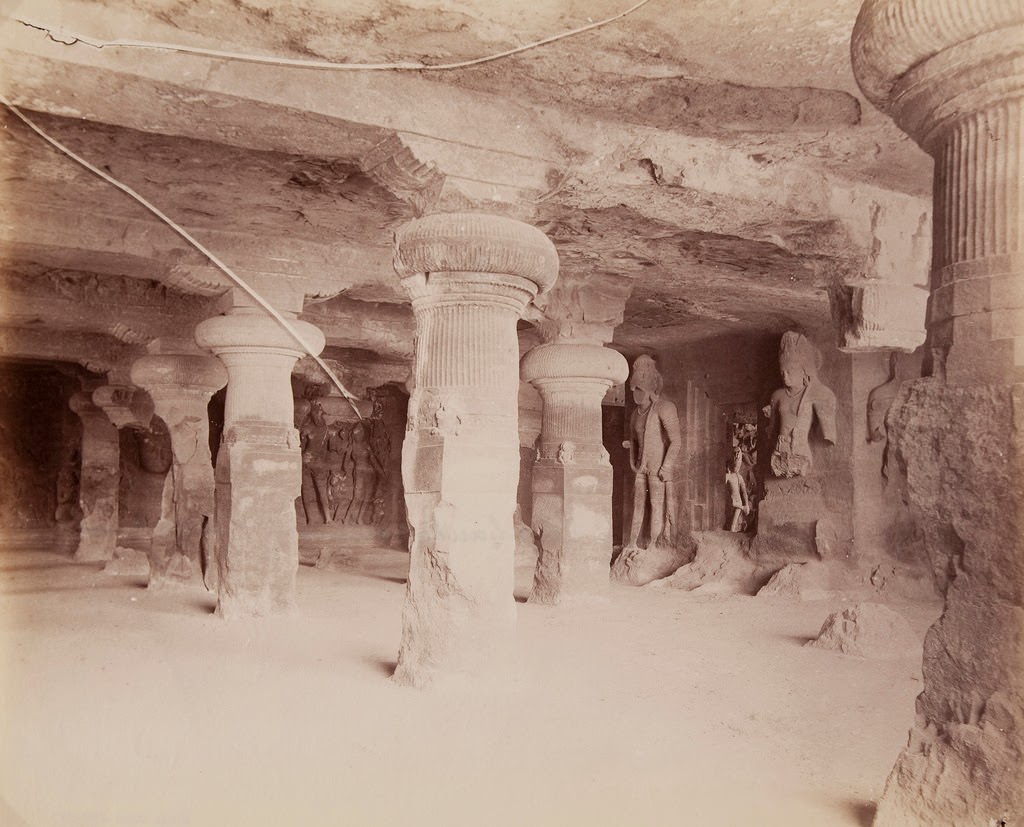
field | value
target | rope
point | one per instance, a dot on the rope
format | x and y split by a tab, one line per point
238	280
68	37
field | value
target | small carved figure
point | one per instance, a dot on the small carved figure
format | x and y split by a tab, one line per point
446	420
67	490
567	452
365	468
654	446
879	401
794	407
335	491
317	462
378	510
739	498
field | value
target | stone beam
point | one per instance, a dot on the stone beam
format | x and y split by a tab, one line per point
95	352
133	243
387	329
133	311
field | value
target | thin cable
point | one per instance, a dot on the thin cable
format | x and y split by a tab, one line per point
262	302
60	34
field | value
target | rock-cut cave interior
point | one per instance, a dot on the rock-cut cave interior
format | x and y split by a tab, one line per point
472	412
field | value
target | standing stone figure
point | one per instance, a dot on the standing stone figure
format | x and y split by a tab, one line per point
654	447
793	407
317	463
739	499
366	469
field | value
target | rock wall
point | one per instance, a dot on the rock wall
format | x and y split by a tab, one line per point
38	438
962	449
884	530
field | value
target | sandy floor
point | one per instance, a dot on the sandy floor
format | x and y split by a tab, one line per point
120	706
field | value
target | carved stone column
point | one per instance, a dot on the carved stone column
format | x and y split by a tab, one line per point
181	386
259	468
572	478
100	475
951	74
470	278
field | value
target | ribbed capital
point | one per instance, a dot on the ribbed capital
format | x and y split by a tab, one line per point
927	62
171	373
565	360
472	243
241	332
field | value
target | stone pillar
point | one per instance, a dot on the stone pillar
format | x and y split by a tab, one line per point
180	386
259	468
470	278
951	74
100	475
572	478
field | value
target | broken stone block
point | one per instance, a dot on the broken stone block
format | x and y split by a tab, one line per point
797	581
868	630
720	566
128	561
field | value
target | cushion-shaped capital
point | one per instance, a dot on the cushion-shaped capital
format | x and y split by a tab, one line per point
475	243
891	37
179	370
253	331
573	360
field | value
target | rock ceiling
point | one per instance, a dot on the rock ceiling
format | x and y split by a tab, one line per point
703	167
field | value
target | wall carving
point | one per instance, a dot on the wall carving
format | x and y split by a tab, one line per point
348	479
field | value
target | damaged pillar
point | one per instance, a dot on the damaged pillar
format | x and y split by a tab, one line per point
951	74
572	478
99	478
259	468
181	386
470	278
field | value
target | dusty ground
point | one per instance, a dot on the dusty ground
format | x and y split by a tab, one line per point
125	707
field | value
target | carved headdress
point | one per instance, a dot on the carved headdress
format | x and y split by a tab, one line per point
646	375
799	356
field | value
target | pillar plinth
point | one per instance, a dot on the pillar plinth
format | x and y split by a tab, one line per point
259	468
470	278
180	386
951	74
572	478
100	475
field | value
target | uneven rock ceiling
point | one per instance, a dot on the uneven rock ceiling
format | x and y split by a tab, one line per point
709	163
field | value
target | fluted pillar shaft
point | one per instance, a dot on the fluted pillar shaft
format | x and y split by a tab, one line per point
180	386
572	478
951	74
259	467
470	278
99	478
